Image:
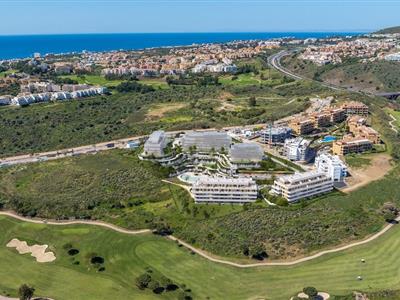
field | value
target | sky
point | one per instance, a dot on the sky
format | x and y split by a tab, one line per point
123	16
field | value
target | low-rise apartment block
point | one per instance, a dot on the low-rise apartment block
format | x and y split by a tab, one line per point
209	189
355	108
275	135
301	185
332	166
302	126
338	115
246	155
355	121
351	145
155	144
298	149
206	141
321	119
357	126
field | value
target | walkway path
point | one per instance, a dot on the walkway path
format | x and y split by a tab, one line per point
73	222
393	127
201	252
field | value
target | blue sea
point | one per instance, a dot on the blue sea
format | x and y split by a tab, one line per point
21	46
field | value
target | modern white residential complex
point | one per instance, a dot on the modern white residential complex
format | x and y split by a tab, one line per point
206	141
332	166
301	185
298	149
246	154
156	144
275	135
209	189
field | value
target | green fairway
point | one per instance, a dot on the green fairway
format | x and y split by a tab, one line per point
93	80
126	257
155	83
242	79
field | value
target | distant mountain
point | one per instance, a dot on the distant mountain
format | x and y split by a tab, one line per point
395	29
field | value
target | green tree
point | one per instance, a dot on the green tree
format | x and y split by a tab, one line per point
143	281
153	285
257	251
389	211
252	101
310	291
25	292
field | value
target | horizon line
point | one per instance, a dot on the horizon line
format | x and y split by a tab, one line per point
200	32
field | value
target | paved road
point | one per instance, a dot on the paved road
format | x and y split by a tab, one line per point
94	148
199	251
275	62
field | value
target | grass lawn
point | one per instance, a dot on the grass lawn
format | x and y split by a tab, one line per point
94	80
358	161
126	257
156	83
3	74
242	79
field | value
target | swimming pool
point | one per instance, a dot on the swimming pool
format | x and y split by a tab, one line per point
328	139
188	177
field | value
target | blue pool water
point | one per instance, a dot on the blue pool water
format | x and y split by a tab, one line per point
328	139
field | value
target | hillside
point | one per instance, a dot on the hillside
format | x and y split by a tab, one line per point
377	76
395	29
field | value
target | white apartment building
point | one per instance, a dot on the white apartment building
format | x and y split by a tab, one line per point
156	144
206	141
275	135
301	185
297	149
393	57
209	189
332	166
46	97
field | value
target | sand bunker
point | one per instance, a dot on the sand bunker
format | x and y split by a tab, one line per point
37	251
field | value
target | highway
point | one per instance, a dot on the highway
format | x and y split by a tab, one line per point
275	62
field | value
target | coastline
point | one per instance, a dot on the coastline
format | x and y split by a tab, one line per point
23	46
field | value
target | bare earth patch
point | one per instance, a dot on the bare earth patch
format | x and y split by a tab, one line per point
37	251
158	111
379	166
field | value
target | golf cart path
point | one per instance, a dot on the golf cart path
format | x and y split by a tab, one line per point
201	252
392	126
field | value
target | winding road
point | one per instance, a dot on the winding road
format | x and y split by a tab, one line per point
275	62
200	252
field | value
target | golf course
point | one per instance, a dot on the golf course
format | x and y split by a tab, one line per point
128	256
